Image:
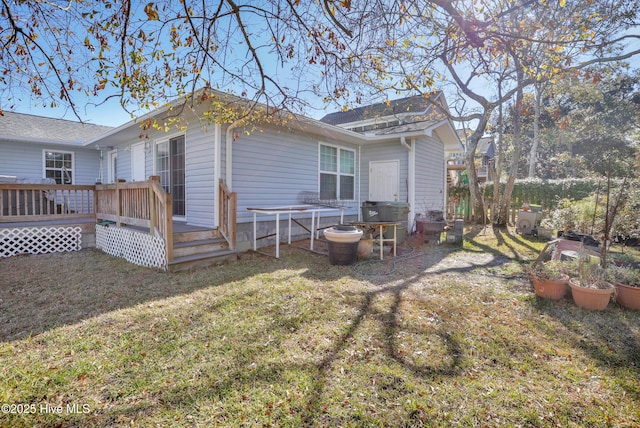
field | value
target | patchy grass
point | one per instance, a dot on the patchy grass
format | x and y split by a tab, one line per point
443	336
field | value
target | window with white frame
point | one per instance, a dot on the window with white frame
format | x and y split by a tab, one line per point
337	173
59	166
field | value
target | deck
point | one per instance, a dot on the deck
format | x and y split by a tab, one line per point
82	222
88	223
142	209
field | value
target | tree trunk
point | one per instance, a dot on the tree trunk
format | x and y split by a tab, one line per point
477	199
498	162
517	149
533	156
474	187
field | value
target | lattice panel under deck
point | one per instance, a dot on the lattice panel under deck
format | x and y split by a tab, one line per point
135	247
39	240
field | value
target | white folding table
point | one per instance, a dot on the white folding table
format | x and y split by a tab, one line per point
291	210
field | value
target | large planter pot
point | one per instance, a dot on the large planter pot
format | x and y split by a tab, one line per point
553	289
343	244
342	233
628	296
590	298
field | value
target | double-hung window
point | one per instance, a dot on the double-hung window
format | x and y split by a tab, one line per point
337	173
59	166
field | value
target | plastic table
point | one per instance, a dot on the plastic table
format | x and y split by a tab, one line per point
381	226
290	210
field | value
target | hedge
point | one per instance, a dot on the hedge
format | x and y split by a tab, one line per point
545	192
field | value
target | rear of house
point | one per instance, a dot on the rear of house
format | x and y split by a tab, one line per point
387	156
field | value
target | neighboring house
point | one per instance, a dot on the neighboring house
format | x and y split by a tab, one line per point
456	160
384	152
403	150
35	147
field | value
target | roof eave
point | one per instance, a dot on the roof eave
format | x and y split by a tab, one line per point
30	140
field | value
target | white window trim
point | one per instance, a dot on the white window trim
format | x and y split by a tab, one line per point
164	139
338	173
73	162
111	174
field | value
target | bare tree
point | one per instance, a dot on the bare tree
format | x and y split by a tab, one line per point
513	45
275	52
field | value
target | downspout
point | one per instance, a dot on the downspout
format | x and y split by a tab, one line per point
403	141
411	188
359	177
217	147
229	153
445	193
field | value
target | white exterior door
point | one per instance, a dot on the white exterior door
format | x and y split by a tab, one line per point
384	181
137	163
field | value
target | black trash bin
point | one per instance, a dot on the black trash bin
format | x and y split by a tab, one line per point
370	211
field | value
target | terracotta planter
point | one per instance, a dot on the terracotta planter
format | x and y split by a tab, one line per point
590	298
628	296
365	247
553	289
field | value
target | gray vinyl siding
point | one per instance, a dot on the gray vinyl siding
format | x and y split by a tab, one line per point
87	166
25	160
200	176
201	182
385	152
430	176
271	168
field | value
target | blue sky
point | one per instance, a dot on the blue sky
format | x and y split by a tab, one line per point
110	112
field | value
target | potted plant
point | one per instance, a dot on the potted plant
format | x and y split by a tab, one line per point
549	279
545	230
627	283
590	289
623	259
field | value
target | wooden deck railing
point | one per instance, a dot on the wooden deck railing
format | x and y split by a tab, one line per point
227	214
161	214
142	203
126	203
139	203
41	202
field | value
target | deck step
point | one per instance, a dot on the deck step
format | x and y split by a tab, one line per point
197	235
202	260
182	249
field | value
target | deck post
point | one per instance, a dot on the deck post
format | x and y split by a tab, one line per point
168	216
118	209
152	205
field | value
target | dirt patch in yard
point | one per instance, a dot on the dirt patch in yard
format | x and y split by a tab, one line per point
41	292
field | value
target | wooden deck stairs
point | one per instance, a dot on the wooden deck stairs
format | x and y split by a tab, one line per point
199	248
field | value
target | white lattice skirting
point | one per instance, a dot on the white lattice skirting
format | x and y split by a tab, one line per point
39	240
138	248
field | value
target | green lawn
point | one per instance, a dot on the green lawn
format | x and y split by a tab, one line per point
444	336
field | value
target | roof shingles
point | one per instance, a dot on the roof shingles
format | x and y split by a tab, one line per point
415	104
44	129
